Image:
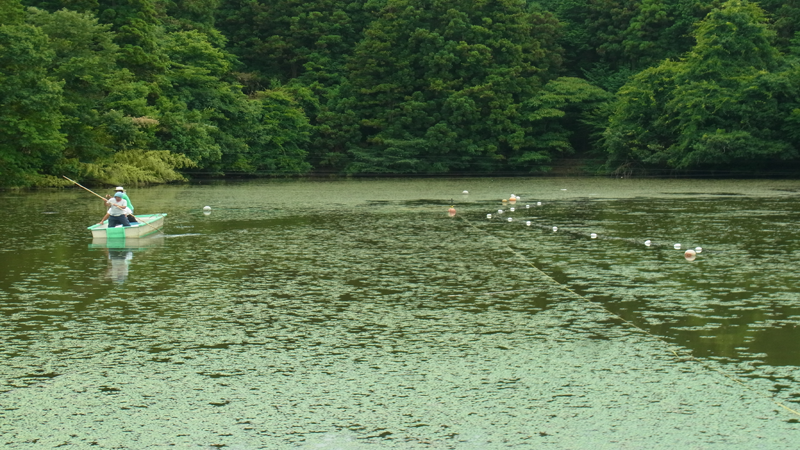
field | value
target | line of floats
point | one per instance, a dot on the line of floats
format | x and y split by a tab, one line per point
690	254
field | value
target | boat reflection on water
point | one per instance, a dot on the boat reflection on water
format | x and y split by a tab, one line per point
120	253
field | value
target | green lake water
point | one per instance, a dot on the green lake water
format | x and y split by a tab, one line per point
358	314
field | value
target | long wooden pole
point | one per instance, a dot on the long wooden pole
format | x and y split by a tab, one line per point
106	200
81	186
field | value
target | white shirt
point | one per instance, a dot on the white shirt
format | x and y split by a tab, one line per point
117	206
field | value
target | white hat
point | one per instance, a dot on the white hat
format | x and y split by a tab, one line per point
119	188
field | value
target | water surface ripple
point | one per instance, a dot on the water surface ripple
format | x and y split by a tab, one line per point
357	314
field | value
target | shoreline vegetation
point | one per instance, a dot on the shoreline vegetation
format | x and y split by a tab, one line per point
138	92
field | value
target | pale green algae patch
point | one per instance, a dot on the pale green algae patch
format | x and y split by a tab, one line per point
443	390
358	324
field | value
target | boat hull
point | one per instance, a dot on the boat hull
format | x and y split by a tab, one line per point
147	225
131	244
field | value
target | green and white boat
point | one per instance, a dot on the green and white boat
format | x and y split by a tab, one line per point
132	244
147	224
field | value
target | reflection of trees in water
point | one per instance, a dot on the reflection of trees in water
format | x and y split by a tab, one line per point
118	269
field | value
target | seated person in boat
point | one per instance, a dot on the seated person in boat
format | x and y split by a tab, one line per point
121	190
117	212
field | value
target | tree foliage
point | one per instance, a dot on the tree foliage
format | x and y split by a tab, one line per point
440	86
165	88
137	167
30	121
85	62
608	41
725	104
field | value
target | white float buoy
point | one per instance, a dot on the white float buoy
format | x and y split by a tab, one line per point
538	203
465	192
698	249
510	219
488	216
206	208
528	223
677	246
593	236
527	206
647	242
499	211
512	209
555	228
690	255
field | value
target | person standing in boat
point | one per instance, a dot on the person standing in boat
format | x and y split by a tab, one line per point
129	213
117	211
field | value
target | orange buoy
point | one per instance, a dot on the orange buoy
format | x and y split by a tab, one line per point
452	211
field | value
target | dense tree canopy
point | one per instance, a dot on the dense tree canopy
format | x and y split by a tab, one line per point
148	91
725	104
442	85
30	122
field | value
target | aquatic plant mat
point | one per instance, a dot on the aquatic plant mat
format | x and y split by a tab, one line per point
366	325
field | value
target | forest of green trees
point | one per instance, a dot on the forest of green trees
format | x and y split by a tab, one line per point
148	91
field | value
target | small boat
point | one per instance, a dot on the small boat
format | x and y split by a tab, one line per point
131	244
147	224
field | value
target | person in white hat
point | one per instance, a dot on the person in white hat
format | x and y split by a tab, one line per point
129	211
